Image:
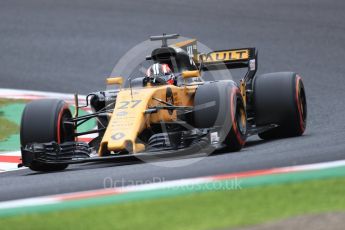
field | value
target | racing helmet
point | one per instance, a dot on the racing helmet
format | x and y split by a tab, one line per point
160	74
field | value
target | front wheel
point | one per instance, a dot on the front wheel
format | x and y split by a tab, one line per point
44	121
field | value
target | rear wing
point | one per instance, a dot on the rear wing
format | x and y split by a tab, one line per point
222	59
230	59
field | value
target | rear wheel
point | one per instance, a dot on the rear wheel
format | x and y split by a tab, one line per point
220	105
280	99
44	121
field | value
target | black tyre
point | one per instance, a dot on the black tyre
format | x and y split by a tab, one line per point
220	105
279	98
43	121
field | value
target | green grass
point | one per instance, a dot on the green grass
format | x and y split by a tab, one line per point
208	210
4	102
7	127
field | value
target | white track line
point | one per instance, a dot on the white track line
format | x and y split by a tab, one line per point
6	166
44	200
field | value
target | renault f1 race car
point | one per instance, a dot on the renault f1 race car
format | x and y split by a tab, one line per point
172	111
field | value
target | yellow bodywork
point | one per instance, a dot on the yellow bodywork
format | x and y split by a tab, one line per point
128	119
114	81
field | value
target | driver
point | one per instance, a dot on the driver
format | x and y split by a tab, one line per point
160	74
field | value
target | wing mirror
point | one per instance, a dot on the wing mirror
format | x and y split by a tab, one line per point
190	74
114	80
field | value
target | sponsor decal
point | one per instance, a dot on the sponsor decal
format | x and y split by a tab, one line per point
252	64
122	113
117	136
214	137
227	55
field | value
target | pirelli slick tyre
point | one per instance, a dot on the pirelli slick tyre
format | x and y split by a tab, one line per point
279	98
43	121
220	105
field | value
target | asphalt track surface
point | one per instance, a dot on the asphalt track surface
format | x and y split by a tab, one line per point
71	45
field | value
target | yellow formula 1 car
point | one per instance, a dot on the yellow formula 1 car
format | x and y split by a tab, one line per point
171	111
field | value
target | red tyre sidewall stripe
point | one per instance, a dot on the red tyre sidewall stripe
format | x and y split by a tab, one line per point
233	120
59	124
300	116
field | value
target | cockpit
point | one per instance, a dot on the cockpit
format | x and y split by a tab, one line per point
177	59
